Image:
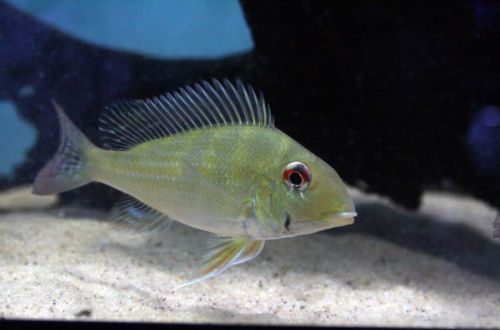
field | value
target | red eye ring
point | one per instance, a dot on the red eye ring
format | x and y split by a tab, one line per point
297	176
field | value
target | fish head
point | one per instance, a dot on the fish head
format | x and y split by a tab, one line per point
314	197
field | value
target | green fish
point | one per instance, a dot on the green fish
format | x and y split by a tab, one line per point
210	157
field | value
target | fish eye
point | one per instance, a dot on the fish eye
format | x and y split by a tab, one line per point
297	176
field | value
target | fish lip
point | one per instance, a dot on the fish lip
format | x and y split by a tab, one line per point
341	218
335	219
340	215
344	215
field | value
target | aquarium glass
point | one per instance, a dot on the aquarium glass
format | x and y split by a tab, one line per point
250	162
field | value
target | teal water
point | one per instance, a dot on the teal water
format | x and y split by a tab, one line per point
158	28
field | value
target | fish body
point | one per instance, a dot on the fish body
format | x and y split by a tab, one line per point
208	157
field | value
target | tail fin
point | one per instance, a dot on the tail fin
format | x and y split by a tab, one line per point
67	168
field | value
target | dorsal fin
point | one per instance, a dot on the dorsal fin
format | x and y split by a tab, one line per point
129	123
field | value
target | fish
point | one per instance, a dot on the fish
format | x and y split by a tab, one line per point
209	156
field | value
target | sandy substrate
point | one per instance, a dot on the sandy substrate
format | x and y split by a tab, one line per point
70	264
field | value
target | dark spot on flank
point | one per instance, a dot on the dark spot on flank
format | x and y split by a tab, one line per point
287	222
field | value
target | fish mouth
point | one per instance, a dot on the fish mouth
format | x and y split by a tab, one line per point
331	220
341	218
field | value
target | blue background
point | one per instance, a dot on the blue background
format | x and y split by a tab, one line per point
165	29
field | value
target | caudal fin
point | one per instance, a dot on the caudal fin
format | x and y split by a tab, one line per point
67	168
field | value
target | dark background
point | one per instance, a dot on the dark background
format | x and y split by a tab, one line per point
387	92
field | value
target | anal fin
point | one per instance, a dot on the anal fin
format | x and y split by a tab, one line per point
224	253
139	216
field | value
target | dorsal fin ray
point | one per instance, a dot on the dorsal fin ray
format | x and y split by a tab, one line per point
125	124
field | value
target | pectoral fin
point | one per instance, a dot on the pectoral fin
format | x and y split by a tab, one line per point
224	253
209	192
